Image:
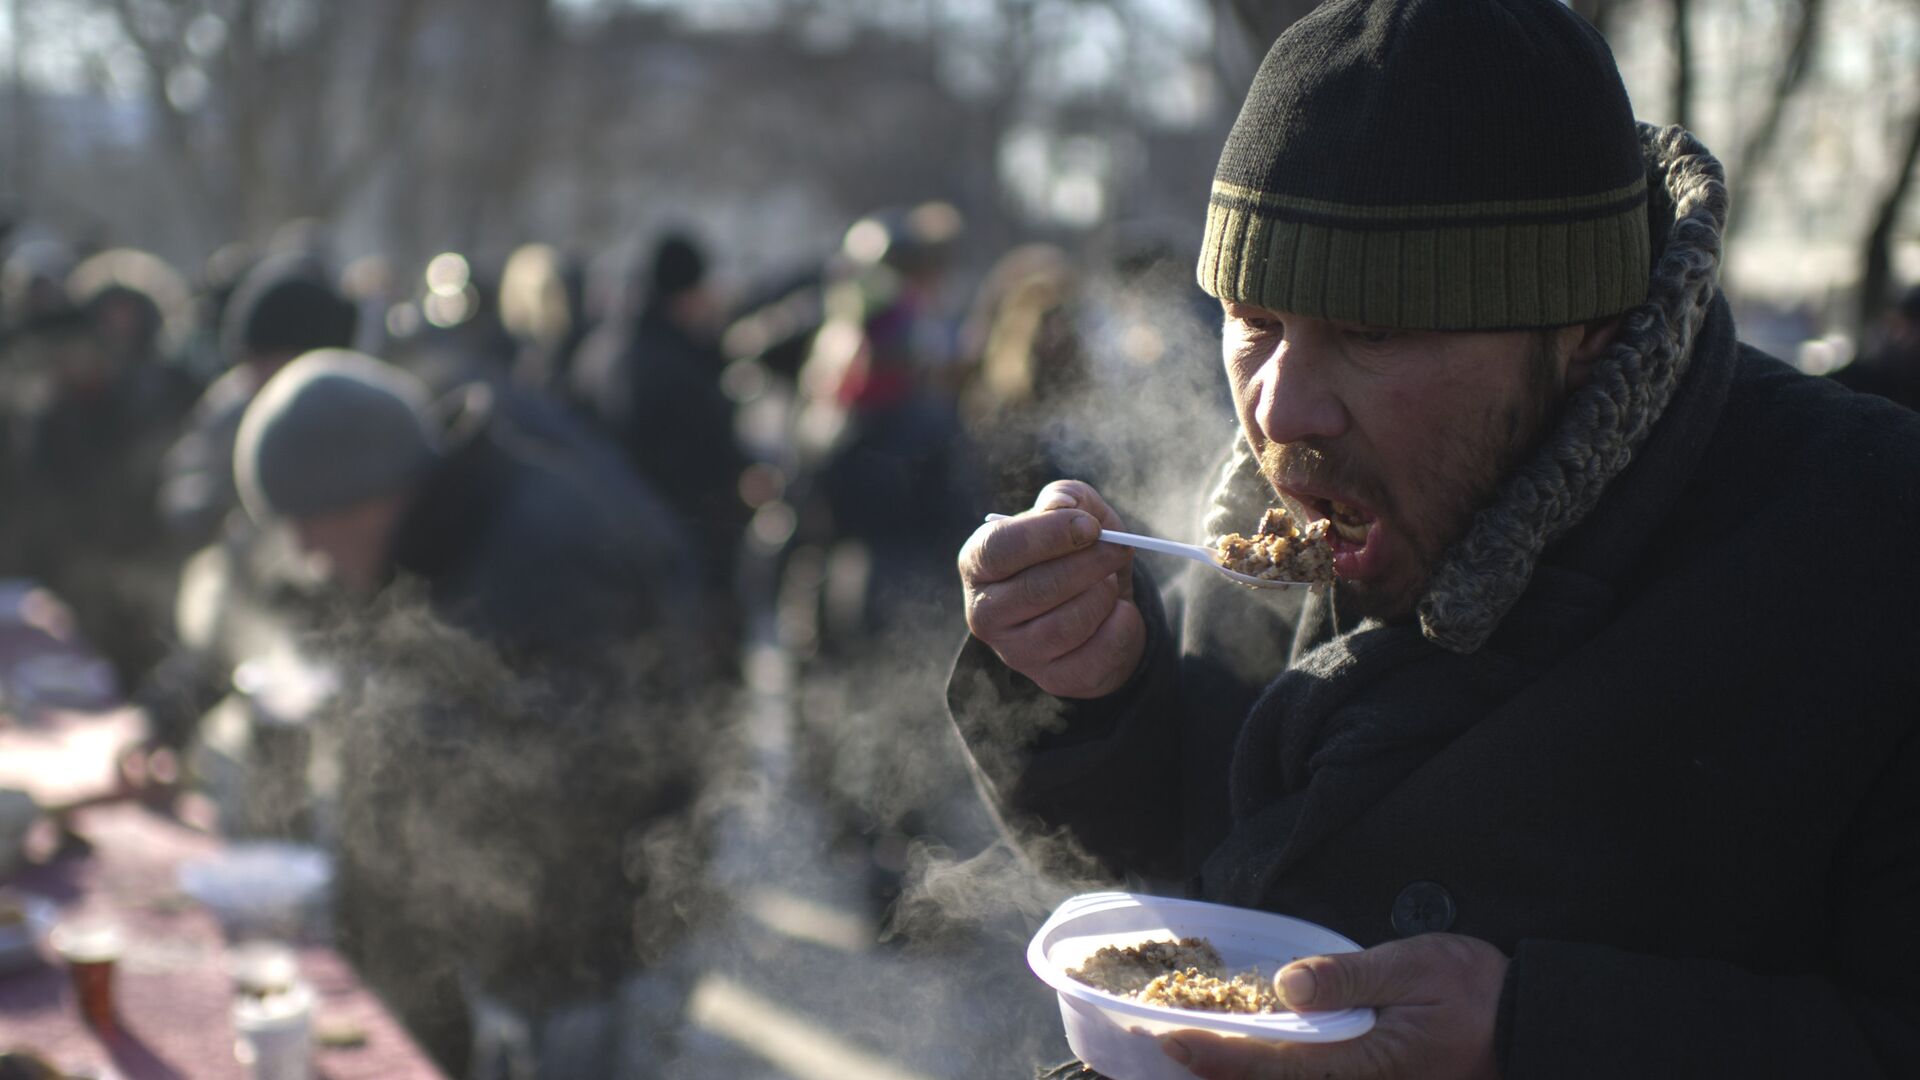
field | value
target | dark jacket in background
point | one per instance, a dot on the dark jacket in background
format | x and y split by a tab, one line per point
83	502
522	725
656	390
542	553
197	490
1892	373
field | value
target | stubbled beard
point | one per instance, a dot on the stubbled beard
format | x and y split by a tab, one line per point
1461	476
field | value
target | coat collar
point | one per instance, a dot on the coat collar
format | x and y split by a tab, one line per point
1606	422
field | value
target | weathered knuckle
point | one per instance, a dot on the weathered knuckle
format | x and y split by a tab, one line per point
1057	679
978	609
1075	626
1038	586
1128	631
997	551
1334	979
1054	637
1453	951
967	559
1067	486
1077	488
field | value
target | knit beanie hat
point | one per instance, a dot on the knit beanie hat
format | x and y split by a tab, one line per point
677	266
1433	165
286	306
329	431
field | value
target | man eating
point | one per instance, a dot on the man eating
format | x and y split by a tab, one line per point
1604	743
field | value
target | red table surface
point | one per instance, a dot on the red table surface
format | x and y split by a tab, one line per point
171	986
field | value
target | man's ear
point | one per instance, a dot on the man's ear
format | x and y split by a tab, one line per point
1594	339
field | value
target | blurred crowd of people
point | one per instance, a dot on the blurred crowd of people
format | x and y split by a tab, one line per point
452	572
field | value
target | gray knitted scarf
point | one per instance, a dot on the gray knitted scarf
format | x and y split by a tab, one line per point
1603	425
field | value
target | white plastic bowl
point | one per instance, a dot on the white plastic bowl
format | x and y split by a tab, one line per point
1120	1037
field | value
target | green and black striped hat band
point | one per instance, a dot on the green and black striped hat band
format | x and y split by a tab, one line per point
1498	265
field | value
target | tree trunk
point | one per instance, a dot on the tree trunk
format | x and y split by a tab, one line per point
1794	70
1683	63
1876	263
24	147
1243	31
1598	12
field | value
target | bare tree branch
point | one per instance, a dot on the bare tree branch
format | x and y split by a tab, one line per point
1683	63
391	105
1876	261
1794	69
159	53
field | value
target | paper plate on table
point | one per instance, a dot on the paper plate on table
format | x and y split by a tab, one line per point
25	920
1120	1036
63	680
261	887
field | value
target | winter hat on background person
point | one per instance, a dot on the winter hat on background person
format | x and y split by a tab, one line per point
330	430
285	306
677	266
1433	165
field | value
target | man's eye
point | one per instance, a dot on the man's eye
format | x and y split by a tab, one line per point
1372	337
1260	324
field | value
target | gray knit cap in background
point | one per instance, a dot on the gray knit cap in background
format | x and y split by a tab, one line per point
333	429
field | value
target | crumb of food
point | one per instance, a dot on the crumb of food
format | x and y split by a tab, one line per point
1126	971
1195	989
1280	550
1183	974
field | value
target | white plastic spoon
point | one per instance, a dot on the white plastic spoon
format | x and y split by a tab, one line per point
1184	551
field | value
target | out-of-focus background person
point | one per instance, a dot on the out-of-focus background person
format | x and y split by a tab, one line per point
480	483
540	587
1891	368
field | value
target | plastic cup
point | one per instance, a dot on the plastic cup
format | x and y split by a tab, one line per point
262	968
91	950
274	1033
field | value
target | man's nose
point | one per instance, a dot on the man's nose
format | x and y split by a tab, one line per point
1298	398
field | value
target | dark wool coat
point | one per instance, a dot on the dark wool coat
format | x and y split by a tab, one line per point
1680	786
539	551
1678	782
655	390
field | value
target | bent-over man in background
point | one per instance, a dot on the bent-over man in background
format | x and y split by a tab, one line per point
513	735
1605	741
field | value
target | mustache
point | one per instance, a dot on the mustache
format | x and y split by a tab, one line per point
1309	465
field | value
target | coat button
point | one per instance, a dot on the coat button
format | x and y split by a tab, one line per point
1424	907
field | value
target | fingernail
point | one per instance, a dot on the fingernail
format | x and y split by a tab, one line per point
1083	529
1297	986
1176	1050
1059	500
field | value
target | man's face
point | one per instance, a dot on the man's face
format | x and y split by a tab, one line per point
1398	436
354	545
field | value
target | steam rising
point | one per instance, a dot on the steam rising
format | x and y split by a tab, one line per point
498	809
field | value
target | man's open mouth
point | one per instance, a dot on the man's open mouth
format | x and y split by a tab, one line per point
1352	531
1350	523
